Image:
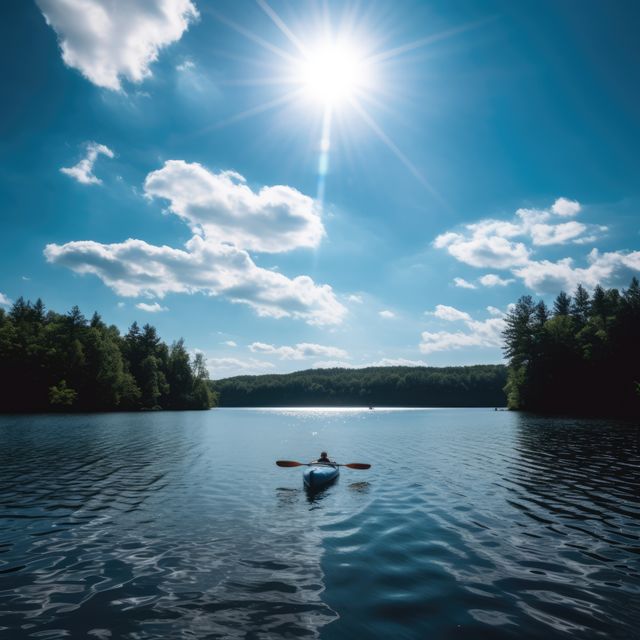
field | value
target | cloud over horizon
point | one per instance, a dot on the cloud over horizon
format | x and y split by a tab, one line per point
480	333
299	351
491	243
135	268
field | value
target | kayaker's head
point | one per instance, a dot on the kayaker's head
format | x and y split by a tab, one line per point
324	456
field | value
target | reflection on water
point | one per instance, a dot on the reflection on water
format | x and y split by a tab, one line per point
471	524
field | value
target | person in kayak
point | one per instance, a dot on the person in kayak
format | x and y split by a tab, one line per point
324	458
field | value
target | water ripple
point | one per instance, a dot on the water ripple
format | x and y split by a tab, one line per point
470	524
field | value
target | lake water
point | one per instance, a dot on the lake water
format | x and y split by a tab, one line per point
470	524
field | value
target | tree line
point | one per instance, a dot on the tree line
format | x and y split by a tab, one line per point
51	361
581	356
479	385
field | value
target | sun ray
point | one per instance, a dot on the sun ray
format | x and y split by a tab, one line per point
279	22
424	42
261	108
395	149
334	73
251	36
323	158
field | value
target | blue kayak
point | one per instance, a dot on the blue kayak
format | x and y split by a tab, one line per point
319	475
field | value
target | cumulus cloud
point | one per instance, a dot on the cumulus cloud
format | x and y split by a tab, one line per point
355	298
499	244
136	268
221	206
398	362
109	40
83	171
385	313
450	314
565	208
226	367
228	220
299	351
230	343
151	308
486	244
479	333
384	362
5	301
493	280
545	234
463	284
609	269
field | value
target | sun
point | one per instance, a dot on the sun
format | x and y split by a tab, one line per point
332	73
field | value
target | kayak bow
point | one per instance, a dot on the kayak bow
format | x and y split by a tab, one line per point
318	475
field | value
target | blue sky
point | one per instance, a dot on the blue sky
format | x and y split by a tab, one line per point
298	184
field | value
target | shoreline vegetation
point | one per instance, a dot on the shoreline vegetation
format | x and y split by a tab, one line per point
581	357
64	362
471	386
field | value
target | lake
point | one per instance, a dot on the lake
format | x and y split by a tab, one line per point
470	524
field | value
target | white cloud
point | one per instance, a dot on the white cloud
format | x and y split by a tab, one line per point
566	208
136	268
108	40
545	234
299	351
355	298
151	308
5	301
609	269
494	311
493	280
227	367
463	284
450	314
398	362
120	305
221	206
496	243
83	171
385	313
480	333
484	247
187	65
384	362
230	343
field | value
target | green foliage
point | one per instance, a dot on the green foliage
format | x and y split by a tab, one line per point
479	385
62	396
584	358
54	361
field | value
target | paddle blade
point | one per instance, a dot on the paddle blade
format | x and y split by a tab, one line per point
289	463
357	465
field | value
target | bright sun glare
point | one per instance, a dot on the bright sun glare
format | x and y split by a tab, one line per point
332	73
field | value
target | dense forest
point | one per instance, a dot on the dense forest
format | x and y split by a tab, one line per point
582	356
476	386
50	361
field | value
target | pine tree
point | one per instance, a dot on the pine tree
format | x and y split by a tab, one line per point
562	305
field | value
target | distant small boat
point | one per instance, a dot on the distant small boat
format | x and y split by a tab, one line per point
370	408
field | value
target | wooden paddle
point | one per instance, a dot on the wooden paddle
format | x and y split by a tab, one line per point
292	463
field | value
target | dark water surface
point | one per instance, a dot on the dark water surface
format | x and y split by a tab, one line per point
471	524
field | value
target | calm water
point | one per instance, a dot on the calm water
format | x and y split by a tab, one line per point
471	524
